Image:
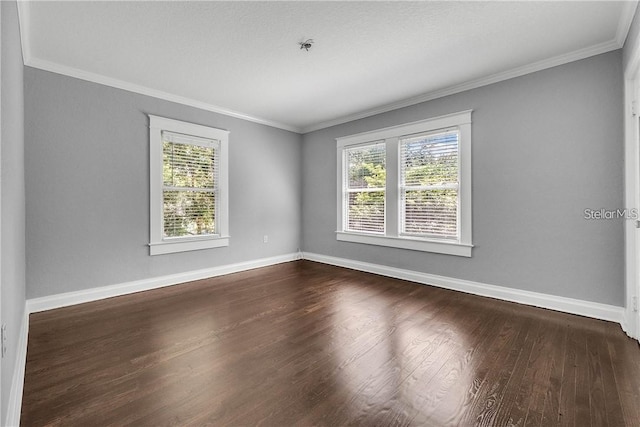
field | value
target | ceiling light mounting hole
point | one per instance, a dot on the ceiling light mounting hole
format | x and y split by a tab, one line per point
306	45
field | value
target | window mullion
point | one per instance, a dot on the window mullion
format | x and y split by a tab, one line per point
365	190
451	186
429	212
392	194
464	178
192	189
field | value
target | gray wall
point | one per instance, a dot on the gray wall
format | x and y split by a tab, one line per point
546	146
12	292
87	169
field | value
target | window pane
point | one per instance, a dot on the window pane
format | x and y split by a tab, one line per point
188	213
365	171
366	166
186	165
366	211
430	159
429	183
431	212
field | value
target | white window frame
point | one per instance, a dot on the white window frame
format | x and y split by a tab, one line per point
461	121
159	245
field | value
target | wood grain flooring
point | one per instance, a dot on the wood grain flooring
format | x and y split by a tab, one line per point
306	344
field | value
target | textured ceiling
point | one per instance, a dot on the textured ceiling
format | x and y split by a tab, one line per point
244	57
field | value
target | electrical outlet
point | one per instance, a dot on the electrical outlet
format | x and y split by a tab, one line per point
634	301
3	332
265	239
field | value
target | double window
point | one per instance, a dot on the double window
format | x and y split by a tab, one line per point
189	206
408	186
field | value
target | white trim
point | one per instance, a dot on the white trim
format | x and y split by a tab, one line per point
632	69
623	28
625	21
158	245
631	187
36	305
17	384
23	25
427	125
414	244
143	90
567	305
628	324
552	302
557	303
186	128
170	247
440	93
472	84
51	302
2	417
392	137
631	322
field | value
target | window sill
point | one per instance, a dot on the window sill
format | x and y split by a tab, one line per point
414	244
181	245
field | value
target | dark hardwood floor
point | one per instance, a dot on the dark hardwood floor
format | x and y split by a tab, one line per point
309	344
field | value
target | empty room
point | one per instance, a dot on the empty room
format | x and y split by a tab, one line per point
320	213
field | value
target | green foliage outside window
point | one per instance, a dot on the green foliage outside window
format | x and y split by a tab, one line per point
430	179
429	167
189	175
366	170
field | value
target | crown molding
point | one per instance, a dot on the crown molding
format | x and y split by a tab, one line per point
143	90
624	24
23	25
625	21
31	61
474	84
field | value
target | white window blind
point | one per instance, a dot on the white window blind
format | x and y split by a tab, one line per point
364	188
429	184
408	186
190	185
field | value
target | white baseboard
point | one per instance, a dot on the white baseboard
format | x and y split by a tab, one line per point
567	305
629	324
557	303
552	302
14	408
35	305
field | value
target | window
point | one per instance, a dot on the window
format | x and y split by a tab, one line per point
189	198
365	188
429	185
408	186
